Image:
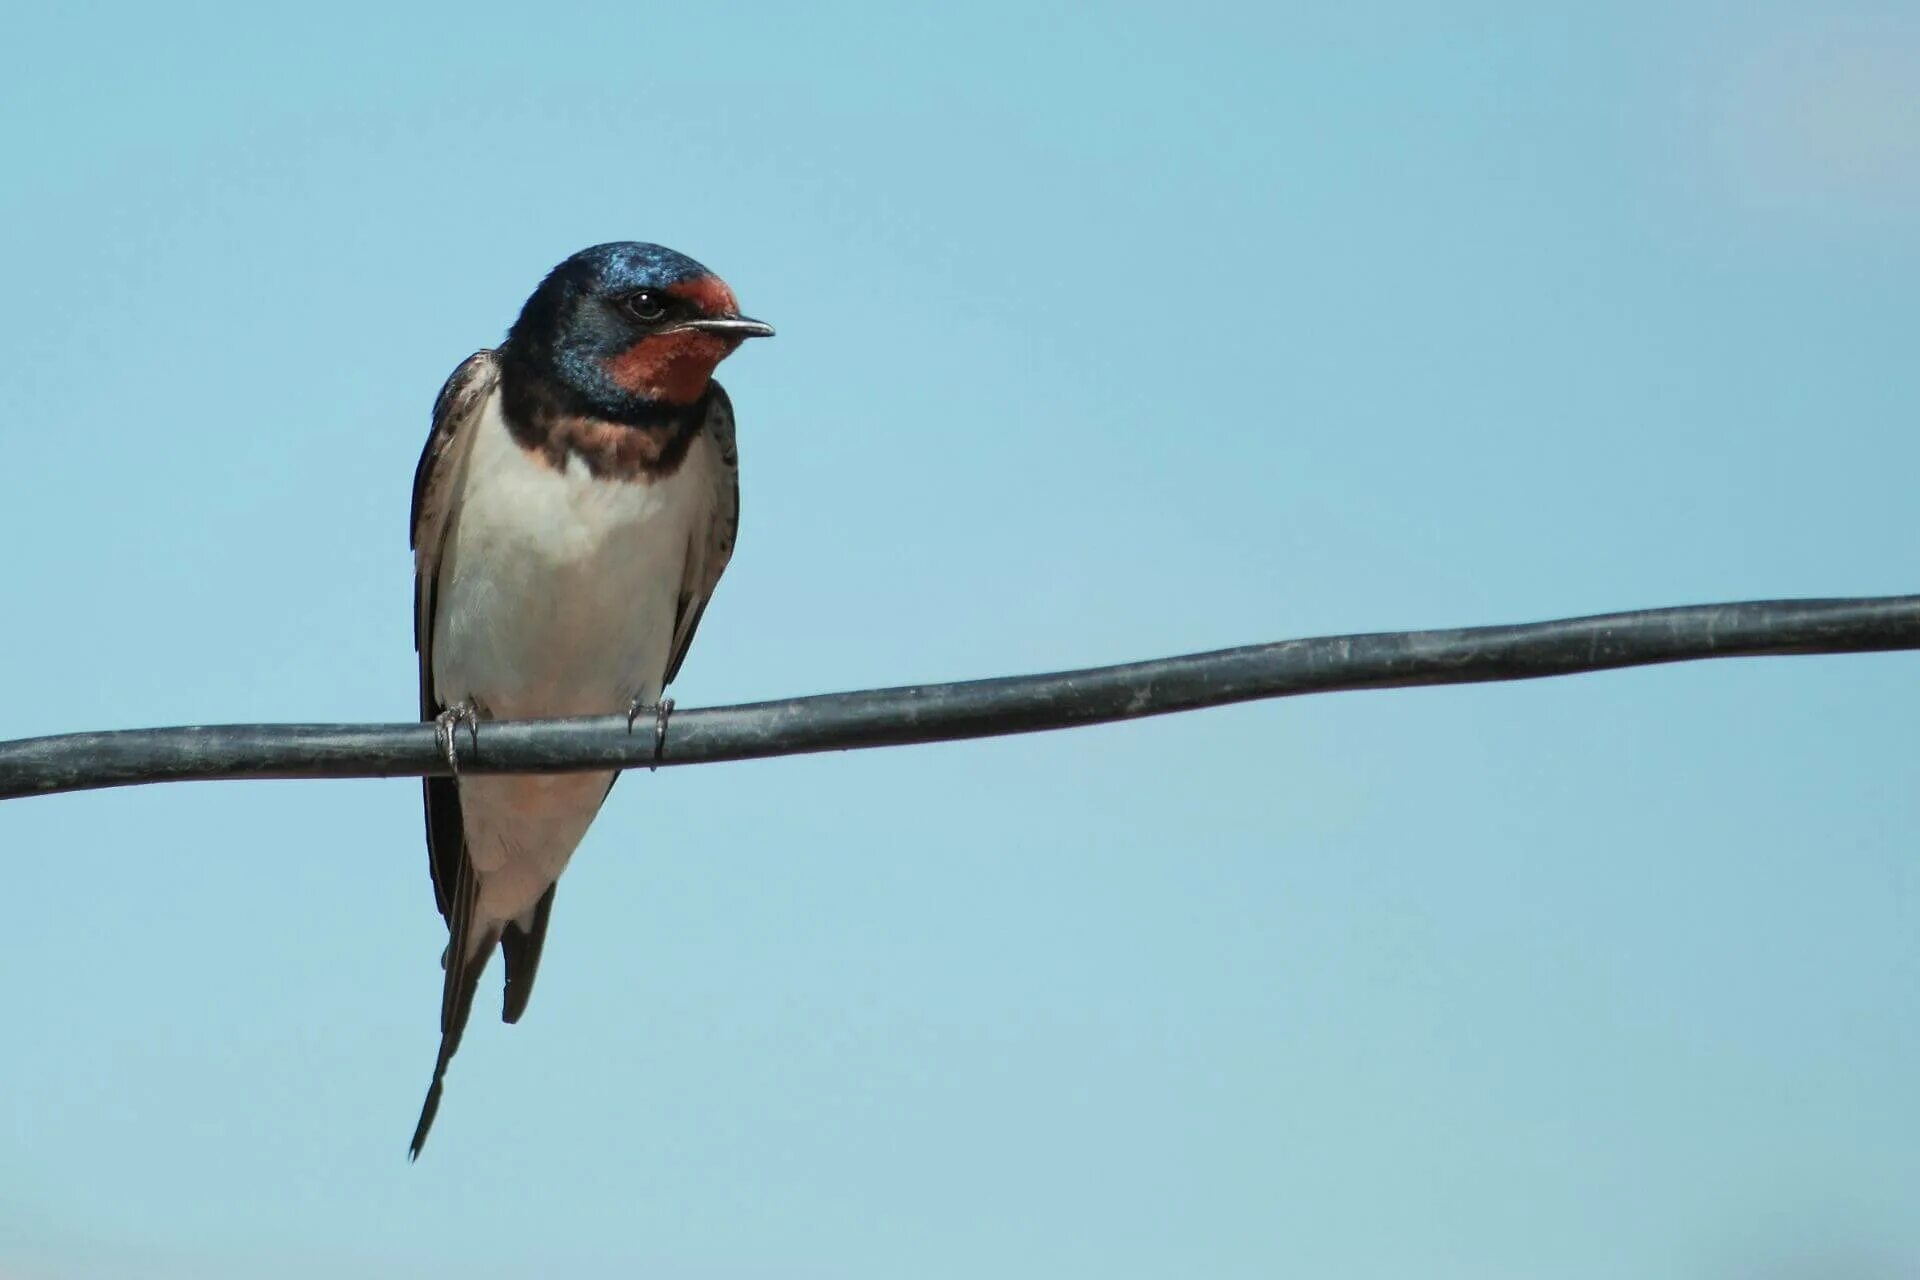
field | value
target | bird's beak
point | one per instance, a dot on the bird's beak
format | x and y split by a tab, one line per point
726	327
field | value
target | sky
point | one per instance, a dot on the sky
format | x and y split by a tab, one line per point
1105	332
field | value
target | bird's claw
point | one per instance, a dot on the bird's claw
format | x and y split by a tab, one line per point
660	714
444	724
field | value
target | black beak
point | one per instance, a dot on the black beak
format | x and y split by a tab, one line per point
726	327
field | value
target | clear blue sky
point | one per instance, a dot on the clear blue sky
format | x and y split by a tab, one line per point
1102	335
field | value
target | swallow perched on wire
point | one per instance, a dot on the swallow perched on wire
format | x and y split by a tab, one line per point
573	509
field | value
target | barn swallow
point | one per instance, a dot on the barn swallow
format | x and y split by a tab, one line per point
574	507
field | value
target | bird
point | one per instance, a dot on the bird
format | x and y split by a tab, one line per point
574	507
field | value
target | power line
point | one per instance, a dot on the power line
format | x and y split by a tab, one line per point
973	708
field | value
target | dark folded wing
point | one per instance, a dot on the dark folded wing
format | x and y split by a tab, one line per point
456	412
711	548
456	415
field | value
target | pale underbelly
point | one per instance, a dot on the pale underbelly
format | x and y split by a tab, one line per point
558	597
556	641
522	831
560	593
579	640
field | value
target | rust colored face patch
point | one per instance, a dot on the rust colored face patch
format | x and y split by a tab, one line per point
669	368
709	293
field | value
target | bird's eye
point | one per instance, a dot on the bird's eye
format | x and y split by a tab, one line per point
644	305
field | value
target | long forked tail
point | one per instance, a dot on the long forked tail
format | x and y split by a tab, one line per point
465	962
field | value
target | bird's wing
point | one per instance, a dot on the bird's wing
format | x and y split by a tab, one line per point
712	547
436	482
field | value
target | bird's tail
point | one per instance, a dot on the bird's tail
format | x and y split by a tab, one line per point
466	960
520	945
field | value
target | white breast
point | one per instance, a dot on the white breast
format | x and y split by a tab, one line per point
558	591
557	596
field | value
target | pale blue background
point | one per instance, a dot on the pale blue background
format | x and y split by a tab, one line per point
1102	335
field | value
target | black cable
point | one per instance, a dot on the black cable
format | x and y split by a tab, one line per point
974	708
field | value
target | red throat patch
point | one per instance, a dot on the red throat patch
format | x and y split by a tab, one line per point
671	368
674	368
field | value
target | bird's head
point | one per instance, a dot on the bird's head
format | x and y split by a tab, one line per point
631	328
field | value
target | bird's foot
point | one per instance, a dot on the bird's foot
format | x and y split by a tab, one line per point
462	713
660	714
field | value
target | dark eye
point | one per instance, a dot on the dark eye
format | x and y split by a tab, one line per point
644	305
